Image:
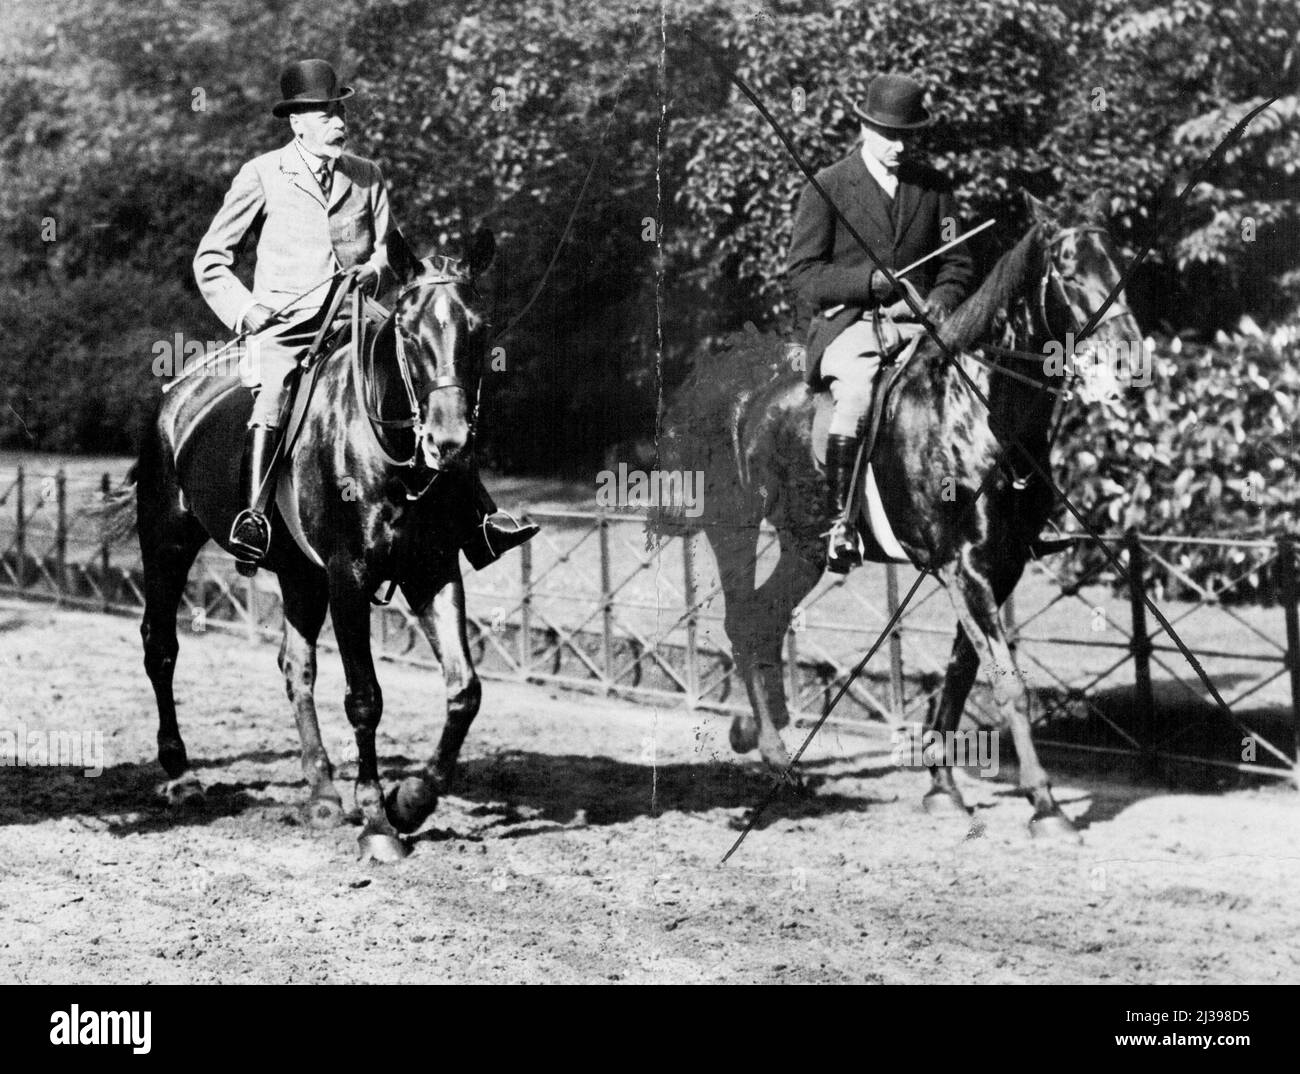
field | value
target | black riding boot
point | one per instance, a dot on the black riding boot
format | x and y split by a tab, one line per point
485	542
250	536
842	552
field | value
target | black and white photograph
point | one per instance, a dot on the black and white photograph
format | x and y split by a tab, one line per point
648	492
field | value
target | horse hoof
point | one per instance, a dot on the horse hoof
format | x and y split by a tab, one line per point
790	782
942	804
185	792
744	737
409	804
323	812
381	846
1054	828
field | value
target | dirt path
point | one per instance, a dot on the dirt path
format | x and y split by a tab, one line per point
583	846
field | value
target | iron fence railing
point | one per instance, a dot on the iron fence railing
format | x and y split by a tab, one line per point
590	604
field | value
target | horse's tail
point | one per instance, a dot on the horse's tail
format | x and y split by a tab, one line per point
682	516
697	439
116	512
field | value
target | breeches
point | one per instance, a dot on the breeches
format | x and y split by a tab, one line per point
272	355
850	363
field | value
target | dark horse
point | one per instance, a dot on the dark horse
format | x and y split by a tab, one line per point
375	502
746	421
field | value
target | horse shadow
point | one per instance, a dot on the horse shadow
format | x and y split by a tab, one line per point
523	791
563	789
125	799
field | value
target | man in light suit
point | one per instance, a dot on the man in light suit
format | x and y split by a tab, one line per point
900	208
315	210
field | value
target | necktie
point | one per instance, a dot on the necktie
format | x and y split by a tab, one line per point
325	178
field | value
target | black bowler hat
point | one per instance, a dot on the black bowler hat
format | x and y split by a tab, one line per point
894	102
307	84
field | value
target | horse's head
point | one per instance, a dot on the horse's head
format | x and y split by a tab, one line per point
1084	270
440	338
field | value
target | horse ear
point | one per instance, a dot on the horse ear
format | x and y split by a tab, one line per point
1097	207
401	260
1038	210
482	251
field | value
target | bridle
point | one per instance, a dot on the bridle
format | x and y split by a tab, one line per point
1056	279
439	271
1055	276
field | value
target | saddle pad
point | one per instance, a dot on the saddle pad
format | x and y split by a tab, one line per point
192	398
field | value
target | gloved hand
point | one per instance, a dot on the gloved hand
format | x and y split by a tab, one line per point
881	289
259	317
365	277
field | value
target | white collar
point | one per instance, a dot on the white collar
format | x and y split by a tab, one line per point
887	182
314	163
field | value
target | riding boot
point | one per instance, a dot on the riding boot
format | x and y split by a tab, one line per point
484	541
842	551
250	536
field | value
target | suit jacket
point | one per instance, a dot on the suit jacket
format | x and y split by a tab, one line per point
827	267
300	239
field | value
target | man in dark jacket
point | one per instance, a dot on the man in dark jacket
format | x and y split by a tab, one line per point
904	211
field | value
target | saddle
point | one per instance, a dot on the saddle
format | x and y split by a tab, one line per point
199	391
865	504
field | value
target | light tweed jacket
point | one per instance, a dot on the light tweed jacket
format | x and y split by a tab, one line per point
300	239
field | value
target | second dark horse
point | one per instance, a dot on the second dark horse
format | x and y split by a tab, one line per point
745	420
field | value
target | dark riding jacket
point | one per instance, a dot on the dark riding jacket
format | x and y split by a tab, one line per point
827	267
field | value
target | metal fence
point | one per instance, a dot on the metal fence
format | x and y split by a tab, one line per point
590	604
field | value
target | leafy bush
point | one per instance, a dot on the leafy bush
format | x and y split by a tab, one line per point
65	383
1208	449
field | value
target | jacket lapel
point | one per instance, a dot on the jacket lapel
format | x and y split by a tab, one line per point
293	169
874	201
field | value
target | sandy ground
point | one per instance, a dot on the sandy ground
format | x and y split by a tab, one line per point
583	844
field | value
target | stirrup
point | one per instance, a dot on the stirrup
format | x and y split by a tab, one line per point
250	536
843	548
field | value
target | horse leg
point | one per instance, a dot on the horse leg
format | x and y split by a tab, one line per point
440	610
943	796
756	622
349	601
169	542
735	548
977	610
773	603
306	598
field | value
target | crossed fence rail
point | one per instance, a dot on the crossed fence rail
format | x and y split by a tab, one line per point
591	604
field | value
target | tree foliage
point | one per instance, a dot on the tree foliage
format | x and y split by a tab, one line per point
641	202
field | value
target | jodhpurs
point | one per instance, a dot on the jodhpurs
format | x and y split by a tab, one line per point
850	363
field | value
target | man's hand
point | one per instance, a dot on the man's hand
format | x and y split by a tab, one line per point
881	289
259	317
365	277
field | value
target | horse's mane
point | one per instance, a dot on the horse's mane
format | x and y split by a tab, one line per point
973	319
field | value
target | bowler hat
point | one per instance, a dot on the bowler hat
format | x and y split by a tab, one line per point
307	84
894	102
